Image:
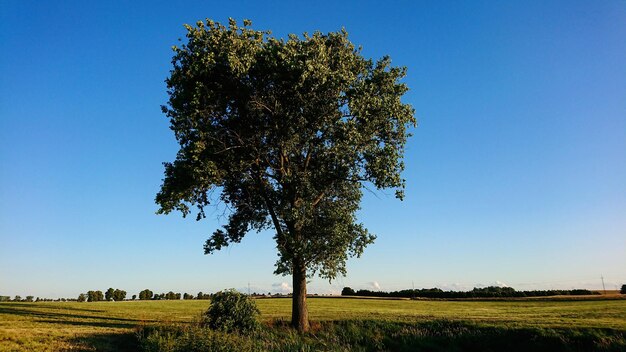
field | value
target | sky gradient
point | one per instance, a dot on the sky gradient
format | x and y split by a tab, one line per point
515	175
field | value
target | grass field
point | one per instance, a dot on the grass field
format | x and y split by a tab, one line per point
110	326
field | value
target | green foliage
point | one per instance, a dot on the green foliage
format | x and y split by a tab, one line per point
167	296
108	295
232	311
203	295
347	291
623	290
119	295
95	296
190	338
82	297
145	294
289	131
380	335
484	292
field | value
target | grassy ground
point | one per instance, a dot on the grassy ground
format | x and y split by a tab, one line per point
110	326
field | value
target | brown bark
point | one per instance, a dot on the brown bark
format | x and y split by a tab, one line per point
299	311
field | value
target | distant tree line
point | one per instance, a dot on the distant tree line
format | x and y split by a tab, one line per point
19	298
120	295
148	295
484	292
111	295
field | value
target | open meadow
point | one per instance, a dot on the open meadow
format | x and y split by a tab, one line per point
112	326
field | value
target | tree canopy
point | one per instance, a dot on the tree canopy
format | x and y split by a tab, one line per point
288	131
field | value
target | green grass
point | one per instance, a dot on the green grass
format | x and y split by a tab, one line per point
111	326
379	335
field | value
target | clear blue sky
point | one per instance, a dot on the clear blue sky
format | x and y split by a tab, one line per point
516	173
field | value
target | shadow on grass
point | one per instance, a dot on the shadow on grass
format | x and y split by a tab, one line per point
62	318
108	342
68	318
96	324
53	306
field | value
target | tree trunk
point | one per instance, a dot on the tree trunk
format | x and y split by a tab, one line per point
299	311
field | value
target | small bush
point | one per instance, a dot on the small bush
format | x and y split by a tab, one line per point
231	311
623	290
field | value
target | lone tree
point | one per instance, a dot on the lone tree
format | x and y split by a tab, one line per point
288	131
119	295
145	294
109	294
347	291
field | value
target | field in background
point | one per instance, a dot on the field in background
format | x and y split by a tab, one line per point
53	326
610	292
